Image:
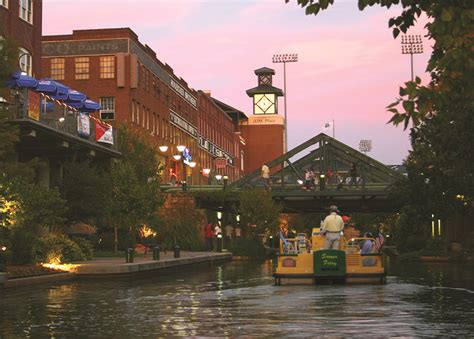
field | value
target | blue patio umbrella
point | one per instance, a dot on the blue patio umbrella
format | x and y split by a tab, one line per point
21	79
85	106
74	95
54	89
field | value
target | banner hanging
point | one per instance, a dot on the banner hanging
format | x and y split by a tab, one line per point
83	125
103	133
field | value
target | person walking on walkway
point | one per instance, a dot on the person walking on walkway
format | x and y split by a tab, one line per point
332	227
209	234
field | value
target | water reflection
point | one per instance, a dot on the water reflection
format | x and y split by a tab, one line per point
239	299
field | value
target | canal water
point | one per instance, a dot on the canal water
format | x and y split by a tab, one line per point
240	299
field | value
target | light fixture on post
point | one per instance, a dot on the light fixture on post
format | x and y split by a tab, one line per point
206	171
284	58
225	178
218	177
163	148
181	148
412	44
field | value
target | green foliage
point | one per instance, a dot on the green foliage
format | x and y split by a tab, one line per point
247	247
134	184
258	208
85	246
412	230
83	189
179	225
22	245
469	243
305	222
435	247
58	248
39	206
8	59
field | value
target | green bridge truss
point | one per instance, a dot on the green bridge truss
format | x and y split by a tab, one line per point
321	153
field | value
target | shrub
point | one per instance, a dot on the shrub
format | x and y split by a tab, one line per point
434	247
247	247
85	246
58	248
23	244
469	243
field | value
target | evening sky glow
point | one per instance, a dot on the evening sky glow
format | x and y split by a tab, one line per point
349	67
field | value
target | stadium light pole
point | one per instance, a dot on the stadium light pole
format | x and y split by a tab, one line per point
284	58
412	44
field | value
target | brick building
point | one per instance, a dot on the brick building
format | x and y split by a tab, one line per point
21	21
134	87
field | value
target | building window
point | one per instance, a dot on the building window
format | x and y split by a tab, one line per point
26	10
107	108
81	68
57	68
26	62
4	3
107	67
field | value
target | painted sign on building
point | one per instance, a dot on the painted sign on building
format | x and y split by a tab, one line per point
181	91
182	124
205	144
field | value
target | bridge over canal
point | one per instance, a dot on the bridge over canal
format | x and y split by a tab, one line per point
331	161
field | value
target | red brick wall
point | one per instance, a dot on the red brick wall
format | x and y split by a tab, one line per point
264	143
25	34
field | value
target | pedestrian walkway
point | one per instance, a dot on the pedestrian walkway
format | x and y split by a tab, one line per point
105	266
115	266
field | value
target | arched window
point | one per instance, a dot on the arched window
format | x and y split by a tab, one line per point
26	62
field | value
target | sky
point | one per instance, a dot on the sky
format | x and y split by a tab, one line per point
349	66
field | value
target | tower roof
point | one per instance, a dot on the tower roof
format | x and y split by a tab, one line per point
264	70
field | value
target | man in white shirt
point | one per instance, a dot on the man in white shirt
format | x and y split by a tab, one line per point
332	227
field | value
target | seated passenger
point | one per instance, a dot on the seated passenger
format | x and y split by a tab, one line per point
367	248
367	245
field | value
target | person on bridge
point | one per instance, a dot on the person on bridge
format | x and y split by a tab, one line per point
333	225
266	177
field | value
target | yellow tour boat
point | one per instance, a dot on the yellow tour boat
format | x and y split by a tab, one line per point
303	261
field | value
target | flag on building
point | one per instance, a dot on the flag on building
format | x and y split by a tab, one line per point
103	132
328	125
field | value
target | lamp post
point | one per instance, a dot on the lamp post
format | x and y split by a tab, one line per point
284	58
412	44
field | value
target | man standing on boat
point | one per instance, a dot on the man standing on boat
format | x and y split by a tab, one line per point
332	227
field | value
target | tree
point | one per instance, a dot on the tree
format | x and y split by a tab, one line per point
8	59
134	182
258	211
83	189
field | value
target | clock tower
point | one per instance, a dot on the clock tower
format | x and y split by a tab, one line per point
264	130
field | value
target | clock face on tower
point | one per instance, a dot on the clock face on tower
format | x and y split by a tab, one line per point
264	104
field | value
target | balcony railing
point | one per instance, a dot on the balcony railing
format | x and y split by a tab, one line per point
60	118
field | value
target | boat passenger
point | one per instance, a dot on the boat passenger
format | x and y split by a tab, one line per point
333	225
367	245
367	248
